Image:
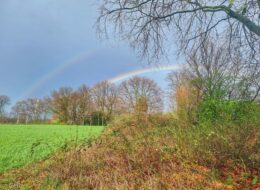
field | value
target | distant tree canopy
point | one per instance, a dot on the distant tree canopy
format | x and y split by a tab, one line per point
91	106
151	25
31	110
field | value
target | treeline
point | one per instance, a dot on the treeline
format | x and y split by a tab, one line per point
212	85
86	106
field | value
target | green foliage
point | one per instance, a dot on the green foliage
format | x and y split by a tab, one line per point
254	181
229	181
218	145
231	2
212	145
218	111
22	144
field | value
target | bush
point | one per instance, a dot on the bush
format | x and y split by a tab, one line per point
214	111
219	145
227	131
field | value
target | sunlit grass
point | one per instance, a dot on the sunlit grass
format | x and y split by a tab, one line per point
23	144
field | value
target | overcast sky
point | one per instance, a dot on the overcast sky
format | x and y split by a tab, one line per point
46	44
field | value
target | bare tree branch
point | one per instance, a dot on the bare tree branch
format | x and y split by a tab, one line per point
149	25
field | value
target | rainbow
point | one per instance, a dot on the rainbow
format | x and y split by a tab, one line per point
84	57
130	74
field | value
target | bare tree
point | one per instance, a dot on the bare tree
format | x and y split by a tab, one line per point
32	110
136	88
46	109
60	103
4	101
177	79
214	74
80	106
85	104
150	25
105	97
20	112
73	108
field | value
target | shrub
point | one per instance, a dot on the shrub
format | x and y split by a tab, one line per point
219	145
214	111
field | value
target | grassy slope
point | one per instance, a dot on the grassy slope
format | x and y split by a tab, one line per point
150	154
21	144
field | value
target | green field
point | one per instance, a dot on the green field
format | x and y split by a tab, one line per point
23	144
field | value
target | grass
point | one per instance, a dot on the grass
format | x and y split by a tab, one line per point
24	144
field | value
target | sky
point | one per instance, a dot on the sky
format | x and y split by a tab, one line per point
46	44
